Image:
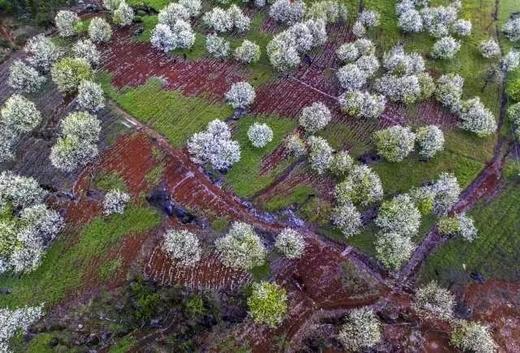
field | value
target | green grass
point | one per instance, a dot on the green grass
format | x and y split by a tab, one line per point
65	264
244	177
154	176
177	117
110	181
109	268
297	197
154	4
124	345
494	253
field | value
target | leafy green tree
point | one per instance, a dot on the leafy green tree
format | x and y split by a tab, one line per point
267	304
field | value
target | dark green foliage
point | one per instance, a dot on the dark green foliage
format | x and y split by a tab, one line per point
41	12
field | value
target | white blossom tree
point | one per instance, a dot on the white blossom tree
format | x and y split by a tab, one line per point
99	30
512	29
369	18
287	11
513	114
78	142
241	248
394	143
68	73
341	164
42	52
172	13
473	337
406	89
445	48
241	95
260	135
267	304
248	52
393	250
410	21
429	140
351	77
214	146
347	219
66	23
315	117
193	6
86	49
19	114
362	186
361	330
14	322
348	52
438	20
362	104
183	35
218	20
510	61
111	5
477	118
240	21
162	38
369	64
182	246
115	202
90	96
24	78
489	49
216	46
434	301
282	53
320	154
461	28
399	215
459	225
290	243
447	190
295	146
19	191
449	91
123	15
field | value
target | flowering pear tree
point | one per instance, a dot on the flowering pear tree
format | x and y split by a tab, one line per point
241	95
290	243
182	246
66	23
260	135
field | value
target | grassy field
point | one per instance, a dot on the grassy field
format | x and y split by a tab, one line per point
244	177
70	257
494	253
177	117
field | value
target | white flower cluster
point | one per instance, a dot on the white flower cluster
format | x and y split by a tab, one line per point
172	13
328	10
399	215
351	77
162	38
287	11
290	243
183	246
513	114
24	78
447	191
90	96
365	20
241	95
320	154
393	249
123	15
394	143
260	135
449	91
241	248
25	234
475	117
473	337
42	52
350	52
429	140
221	20
361	330
315	117
405	80
78	144
362	186
99	30
248	52
193	6
347	219
489	49
341	164
13	322
174	30
295	145
66	23
115	202
434	302
285	48
445	48
86	49
214	146
510	61
216	46
512	29
362	104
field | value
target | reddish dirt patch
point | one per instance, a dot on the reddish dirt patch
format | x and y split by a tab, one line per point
132	64
497	304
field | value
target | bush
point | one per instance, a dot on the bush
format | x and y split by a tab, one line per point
267	304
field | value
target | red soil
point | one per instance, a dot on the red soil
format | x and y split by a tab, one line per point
132	64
